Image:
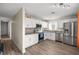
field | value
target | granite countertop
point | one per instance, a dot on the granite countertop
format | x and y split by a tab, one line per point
53	31
31	33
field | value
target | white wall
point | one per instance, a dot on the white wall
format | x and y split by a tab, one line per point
10	29
18	30
23	32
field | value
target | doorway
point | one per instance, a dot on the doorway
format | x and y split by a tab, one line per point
4	30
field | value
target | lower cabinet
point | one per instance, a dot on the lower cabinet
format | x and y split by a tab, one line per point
31	40
52	36
49	35
46	35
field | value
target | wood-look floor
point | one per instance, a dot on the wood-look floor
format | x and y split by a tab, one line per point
49	47
46	47
10	48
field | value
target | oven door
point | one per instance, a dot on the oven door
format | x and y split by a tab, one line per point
41	36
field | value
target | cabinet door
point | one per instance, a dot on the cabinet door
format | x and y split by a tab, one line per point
30	23
26	21
33	23
44	24
49	35
52	36
31	40
27	38
27	44
34	39
46	35
27	41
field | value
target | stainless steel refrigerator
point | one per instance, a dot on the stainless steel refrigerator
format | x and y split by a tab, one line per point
70	33
67	33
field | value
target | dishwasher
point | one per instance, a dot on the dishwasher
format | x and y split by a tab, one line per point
59	36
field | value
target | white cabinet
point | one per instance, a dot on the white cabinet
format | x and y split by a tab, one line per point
30	23
37	21
52	36
31	40
34	38
44	24
27	41
53	26
49	35
46	35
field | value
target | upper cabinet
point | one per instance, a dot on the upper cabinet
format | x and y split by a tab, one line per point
44	24
53	26
30	23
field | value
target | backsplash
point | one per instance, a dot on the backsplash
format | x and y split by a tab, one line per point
29	30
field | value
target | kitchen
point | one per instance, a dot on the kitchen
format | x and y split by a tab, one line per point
39	30
48	30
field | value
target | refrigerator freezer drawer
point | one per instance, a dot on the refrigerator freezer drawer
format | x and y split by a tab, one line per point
67	40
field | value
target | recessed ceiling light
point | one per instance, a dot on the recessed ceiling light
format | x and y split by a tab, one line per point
52	12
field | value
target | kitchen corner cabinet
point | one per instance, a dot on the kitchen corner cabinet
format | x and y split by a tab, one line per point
49	35
30	23
31	39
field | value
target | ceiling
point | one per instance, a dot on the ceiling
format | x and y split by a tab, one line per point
39	10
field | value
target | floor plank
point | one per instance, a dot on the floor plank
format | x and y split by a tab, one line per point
46	47
49	47
10	48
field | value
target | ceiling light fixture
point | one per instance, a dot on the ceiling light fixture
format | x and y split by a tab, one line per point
63	5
